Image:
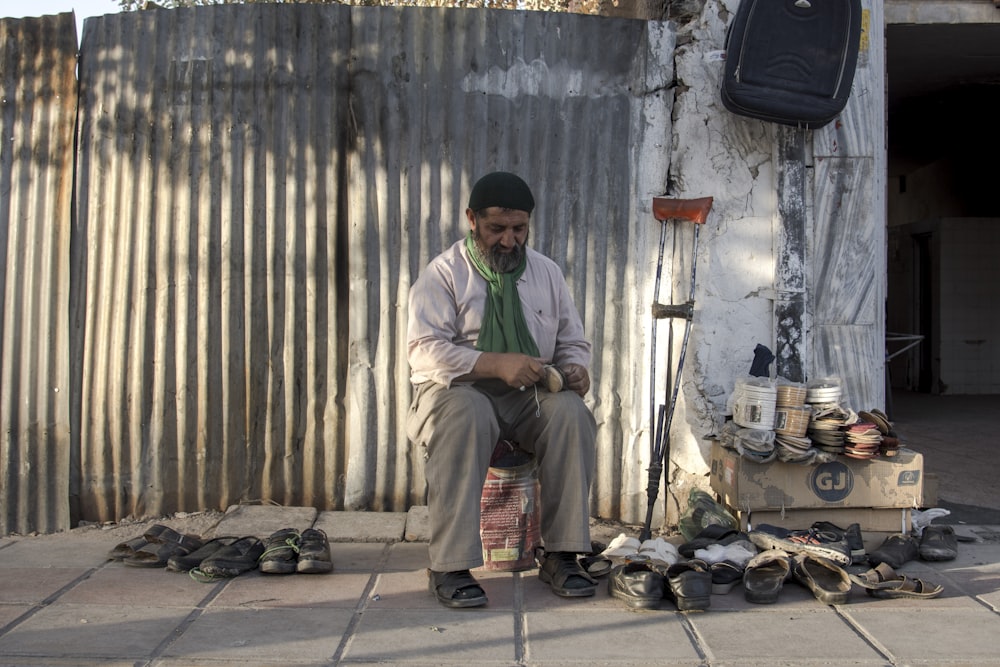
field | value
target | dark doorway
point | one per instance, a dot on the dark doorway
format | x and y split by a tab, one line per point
923	272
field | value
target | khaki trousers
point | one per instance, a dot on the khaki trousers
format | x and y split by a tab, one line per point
458	428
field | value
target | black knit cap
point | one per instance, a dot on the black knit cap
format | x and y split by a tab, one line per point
504	189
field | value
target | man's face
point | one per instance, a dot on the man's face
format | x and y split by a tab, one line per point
500	235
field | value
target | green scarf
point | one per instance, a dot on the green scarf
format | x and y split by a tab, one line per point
504	327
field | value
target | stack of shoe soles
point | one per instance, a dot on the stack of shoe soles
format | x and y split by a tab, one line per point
826	427
862	440
224	556
754	403
889	442
791	421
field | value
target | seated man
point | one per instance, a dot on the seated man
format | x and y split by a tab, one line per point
487	318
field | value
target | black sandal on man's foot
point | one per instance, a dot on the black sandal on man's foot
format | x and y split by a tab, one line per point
456	589
564	573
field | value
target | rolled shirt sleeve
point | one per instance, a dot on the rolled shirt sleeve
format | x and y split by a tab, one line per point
446	308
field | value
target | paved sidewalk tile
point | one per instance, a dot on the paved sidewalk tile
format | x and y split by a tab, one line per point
599	636
119	584
263	635
313	591
773	632
92	631
935	636
438	636
27	585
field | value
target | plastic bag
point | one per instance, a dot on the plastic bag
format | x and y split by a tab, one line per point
920	519
703	511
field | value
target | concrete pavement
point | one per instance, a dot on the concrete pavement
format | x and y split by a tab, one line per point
63	603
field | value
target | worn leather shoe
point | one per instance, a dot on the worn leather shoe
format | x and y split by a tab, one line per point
186	563
938	543
689	585
232	560
637	584
896	551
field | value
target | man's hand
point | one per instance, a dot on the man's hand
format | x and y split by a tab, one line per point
515	369
577	378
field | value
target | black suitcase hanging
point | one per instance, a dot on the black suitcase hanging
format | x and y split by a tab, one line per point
791	61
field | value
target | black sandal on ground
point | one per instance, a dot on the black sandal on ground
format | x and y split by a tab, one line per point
562	571
456	589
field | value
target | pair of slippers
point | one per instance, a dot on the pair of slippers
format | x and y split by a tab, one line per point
883	582
936	543
155	547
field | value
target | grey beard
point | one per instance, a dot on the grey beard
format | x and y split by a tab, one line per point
497	261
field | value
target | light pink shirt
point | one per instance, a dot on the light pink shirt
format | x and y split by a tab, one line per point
446	313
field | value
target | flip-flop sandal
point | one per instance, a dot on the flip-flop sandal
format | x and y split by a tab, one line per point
456	589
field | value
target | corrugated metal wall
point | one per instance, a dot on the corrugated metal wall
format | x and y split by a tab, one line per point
211	259
37	113
259	185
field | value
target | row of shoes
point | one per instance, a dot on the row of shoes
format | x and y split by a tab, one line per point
285	551
763	559
645	584
829	582
655	570
935	543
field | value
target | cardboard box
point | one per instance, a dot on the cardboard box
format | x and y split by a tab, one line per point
891	482
872	521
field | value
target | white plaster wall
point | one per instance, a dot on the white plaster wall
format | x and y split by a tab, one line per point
718	154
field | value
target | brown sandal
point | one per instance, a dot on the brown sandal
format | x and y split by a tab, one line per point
883	582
